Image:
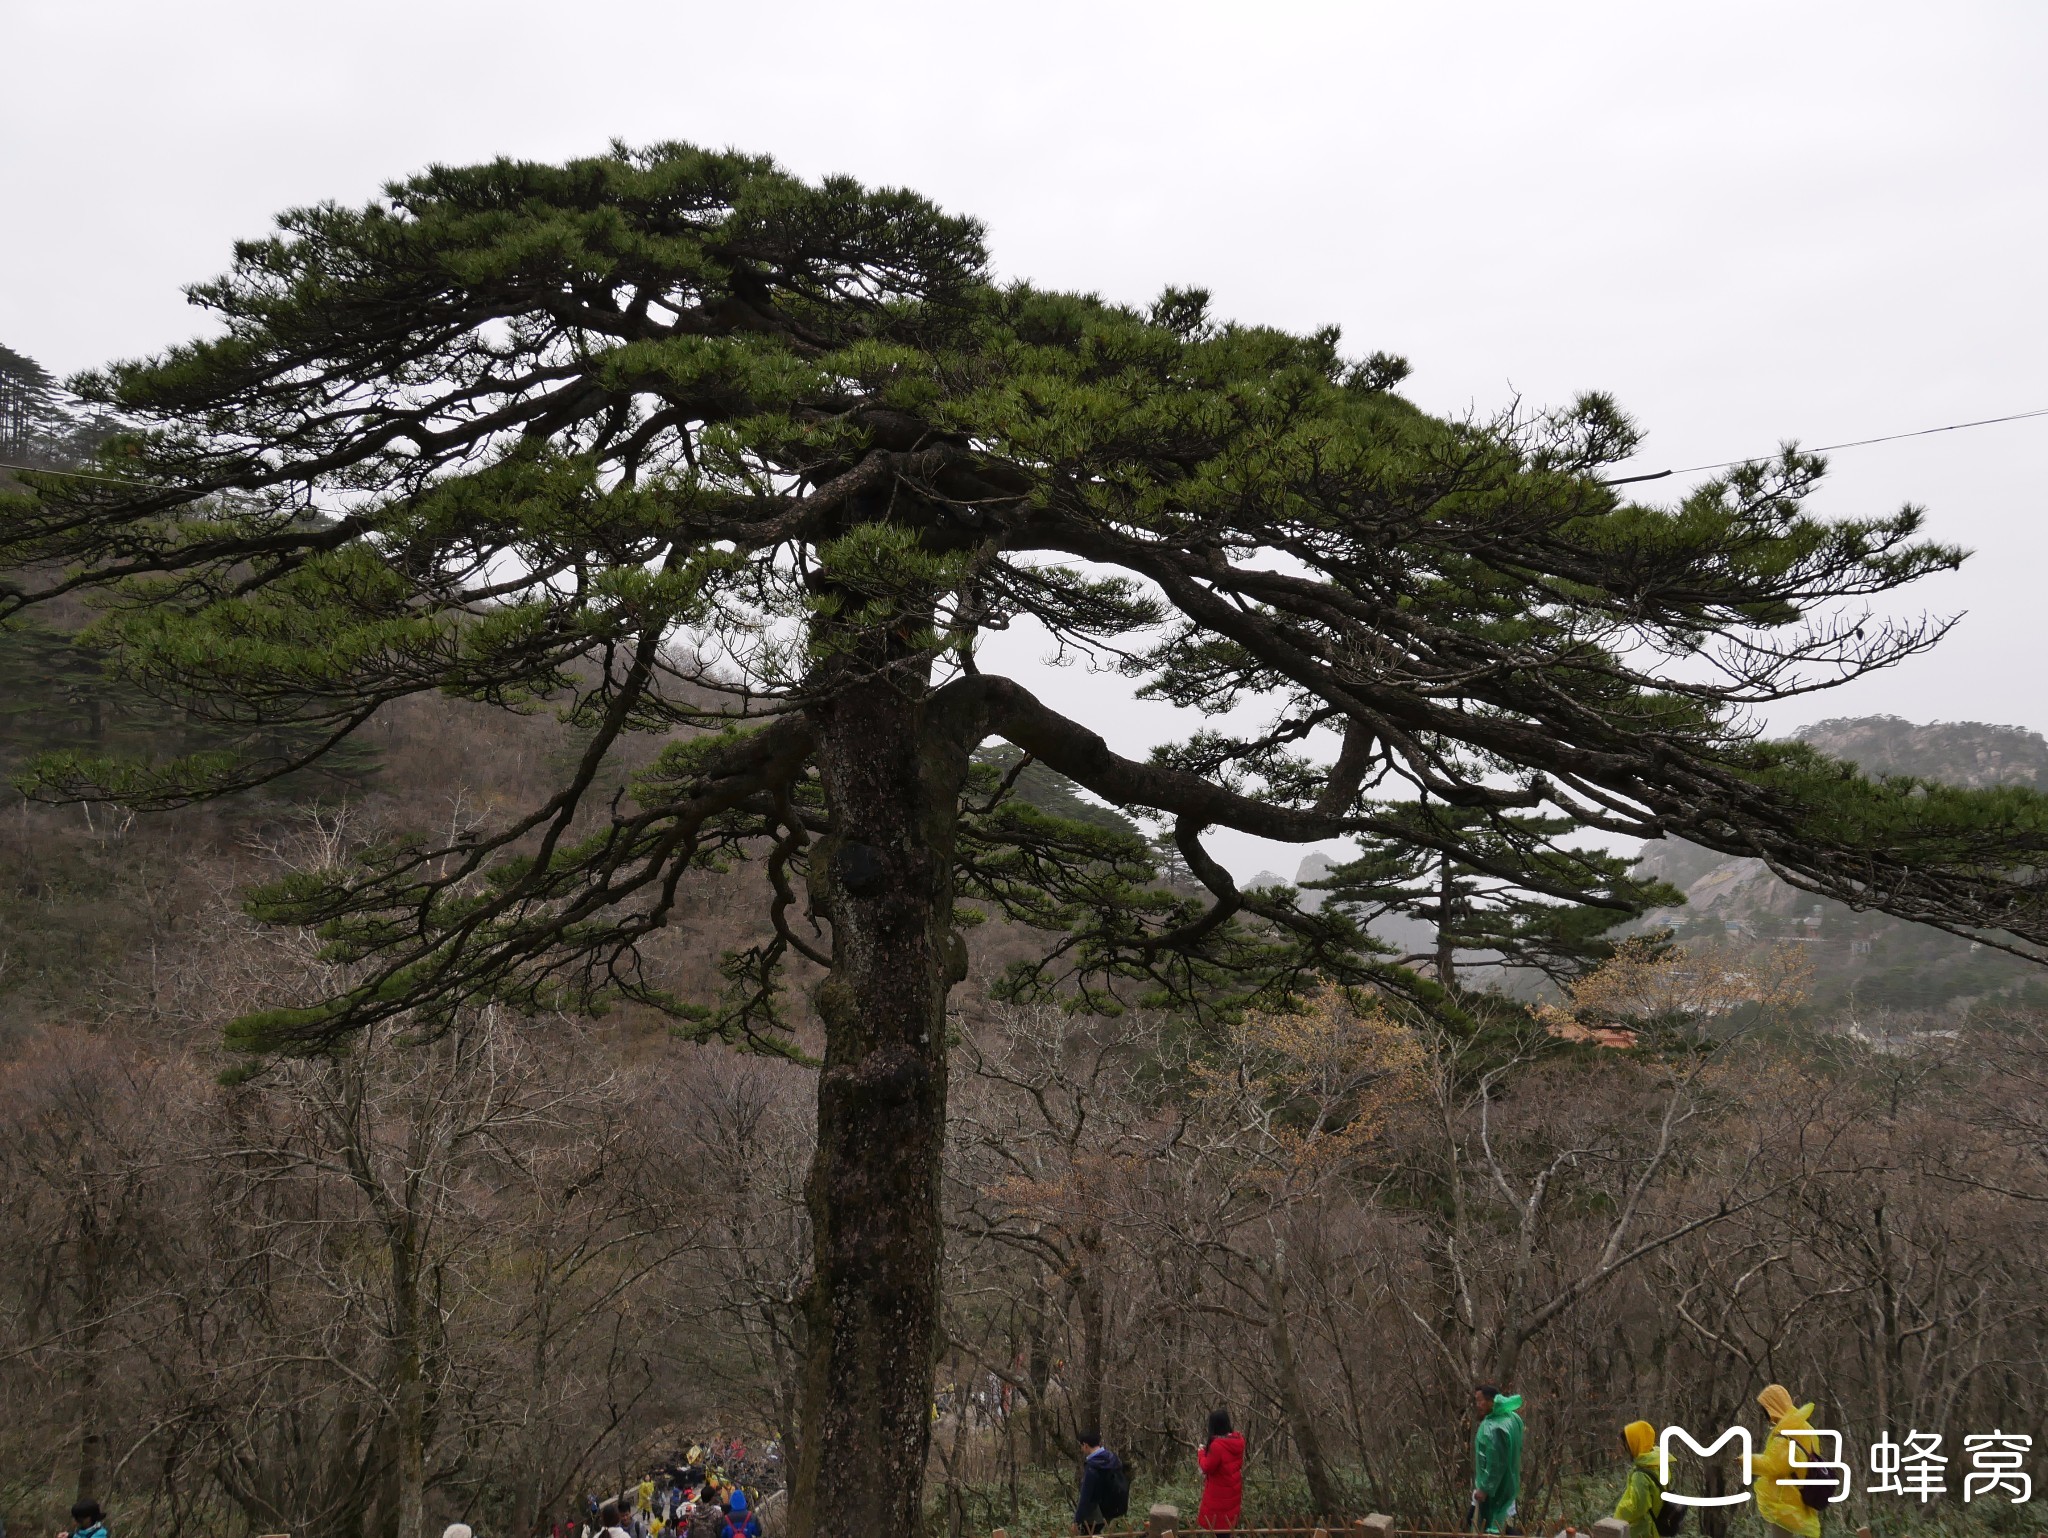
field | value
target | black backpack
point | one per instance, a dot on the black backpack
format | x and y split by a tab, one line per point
1817	1497
1669	1517
1116	1492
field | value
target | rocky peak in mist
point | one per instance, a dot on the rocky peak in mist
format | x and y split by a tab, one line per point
1870	956
1969	753
1314	866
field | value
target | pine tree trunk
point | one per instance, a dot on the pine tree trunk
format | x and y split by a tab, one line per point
885	877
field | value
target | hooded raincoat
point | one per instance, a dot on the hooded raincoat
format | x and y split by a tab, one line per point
1097	1471
1644	1497
1781	1505
1497	1461
1222	1465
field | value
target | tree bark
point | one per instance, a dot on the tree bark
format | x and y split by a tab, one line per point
1301	1422
92	1316
91	1445
1506	1357
1446	944
1092	1299
884	876
1039	1371
409	1391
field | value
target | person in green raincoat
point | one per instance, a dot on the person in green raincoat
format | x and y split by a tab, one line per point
1785	1506
1496	1457
1644	1497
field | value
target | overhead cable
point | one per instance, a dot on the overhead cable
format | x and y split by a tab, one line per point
1829	448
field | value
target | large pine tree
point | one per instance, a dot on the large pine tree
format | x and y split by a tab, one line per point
682	445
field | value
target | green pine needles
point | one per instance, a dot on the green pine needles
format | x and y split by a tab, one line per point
678	444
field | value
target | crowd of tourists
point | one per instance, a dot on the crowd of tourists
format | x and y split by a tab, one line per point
715	1489
712	1491
1790	1507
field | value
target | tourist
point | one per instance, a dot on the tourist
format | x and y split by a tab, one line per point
1496	1457
1642	1500
707	1517
740	1520
1788	1507
88	1521
1105	1495
1221	1460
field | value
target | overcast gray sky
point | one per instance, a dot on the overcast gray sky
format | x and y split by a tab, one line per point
1749	222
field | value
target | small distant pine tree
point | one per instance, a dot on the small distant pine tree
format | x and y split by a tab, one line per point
28	402
40	426
1468	874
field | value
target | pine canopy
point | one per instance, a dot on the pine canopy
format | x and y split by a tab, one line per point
680	444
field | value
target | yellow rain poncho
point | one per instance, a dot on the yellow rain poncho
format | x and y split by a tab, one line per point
1783	1506
1644	1497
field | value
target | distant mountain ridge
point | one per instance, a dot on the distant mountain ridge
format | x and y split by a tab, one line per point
1954	752
1863	956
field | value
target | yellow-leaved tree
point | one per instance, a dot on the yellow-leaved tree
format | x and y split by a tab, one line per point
1651	986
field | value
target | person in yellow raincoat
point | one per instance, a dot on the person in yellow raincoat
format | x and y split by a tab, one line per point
1644	1497
1785	1506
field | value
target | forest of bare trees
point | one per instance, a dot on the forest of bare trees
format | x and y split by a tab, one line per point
482	1270
529	935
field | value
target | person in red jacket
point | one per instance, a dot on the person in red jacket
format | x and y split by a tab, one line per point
1222	1461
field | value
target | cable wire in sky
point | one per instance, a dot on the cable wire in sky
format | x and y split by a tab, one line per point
1829	448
